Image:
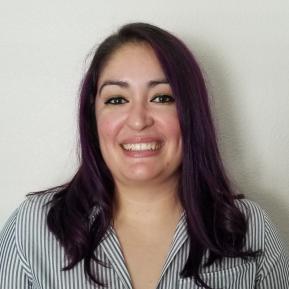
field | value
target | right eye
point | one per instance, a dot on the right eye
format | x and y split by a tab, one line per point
116	100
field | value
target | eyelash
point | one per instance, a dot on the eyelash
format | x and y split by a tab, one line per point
169	98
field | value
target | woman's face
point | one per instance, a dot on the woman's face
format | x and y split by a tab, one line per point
136	117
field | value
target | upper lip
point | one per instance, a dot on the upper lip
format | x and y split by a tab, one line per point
141	139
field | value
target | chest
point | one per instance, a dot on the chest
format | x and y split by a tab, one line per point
48	274
145	264
145	259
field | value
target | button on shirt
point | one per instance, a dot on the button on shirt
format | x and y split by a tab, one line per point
31	257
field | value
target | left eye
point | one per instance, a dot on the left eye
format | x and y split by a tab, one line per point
163	98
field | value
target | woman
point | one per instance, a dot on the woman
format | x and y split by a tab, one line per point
150	206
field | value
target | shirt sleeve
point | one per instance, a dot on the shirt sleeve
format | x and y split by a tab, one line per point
12	271
273	272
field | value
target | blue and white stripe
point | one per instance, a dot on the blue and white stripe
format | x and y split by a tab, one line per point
31	257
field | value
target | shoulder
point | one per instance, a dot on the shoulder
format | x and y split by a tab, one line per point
250	208
25	230
262	233
256	223
252	211
30	224
34	207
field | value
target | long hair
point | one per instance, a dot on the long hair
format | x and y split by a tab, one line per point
214	222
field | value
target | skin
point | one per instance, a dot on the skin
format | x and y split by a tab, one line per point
147	208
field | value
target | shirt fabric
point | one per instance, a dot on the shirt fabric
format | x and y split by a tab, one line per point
31	257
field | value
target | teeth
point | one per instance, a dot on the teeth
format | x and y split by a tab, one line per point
142	146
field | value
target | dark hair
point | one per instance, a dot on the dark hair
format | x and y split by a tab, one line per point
214	222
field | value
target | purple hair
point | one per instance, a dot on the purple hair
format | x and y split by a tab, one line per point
214	222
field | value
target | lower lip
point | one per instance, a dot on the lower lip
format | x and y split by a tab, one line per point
141	154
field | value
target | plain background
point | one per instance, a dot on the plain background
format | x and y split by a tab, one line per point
242	47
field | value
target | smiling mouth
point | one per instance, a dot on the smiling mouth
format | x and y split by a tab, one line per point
137	147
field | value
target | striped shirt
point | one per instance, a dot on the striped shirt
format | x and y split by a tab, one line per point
31	257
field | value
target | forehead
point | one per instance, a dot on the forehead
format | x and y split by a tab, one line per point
132	59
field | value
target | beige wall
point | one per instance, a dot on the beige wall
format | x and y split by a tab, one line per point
241	45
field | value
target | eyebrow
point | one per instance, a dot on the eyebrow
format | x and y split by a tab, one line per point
125	84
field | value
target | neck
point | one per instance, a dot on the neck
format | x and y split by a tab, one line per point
146	206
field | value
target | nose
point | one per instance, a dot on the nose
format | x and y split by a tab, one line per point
139	117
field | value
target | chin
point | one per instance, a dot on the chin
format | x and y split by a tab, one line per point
141	175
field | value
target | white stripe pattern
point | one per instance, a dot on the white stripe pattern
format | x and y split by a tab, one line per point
31	257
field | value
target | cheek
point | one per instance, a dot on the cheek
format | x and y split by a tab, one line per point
171	125
107	128
171	128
